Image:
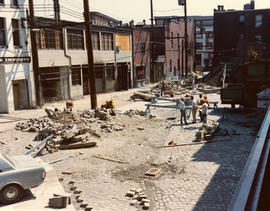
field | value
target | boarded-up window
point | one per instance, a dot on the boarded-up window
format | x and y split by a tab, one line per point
76	76
96	45
107	41
16	33
75	39
2	2
2	32
110	72
123	42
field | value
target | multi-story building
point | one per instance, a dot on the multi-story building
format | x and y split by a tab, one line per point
236	33
204	41
63	57
16	84
169	50
141	53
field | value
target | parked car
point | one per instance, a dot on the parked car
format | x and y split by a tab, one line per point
17	174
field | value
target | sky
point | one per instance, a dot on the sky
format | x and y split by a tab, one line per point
138	10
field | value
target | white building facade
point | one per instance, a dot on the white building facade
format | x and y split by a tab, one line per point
204	41
16	76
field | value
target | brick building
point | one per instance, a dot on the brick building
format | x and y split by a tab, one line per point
238	32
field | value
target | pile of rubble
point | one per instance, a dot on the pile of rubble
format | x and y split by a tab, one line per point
71	127
132	112
207	131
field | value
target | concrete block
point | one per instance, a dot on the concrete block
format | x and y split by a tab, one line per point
146	206
88	209
133	202
130	194
77	192
73	188
59	202
79	200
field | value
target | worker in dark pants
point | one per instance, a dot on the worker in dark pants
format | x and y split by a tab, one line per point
162	88
200	103
182	111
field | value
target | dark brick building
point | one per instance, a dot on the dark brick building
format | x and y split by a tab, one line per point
238	32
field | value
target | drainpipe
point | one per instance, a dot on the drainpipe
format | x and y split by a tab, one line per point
131	23
69	60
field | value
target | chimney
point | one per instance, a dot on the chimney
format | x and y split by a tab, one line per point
222	8
131	23
252	4
120	23
144	23
218	7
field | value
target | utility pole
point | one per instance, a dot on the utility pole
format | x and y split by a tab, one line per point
56	13
39	100
152	74
186	40
91	71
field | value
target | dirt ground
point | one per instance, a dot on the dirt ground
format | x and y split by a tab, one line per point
190	174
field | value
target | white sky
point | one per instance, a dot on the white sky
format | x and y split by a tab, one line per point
138	10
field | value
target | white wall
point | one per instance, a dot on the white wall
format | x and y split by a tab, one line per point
15	71
3	93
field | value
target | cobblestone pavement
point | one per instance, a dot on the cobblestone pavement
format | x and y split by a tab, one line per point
209	172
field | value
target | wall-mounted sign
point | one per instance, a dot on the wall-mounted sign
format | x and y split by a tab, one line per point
10	60
181	2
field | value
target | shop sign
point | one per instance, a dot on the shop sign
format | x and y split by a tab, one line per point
10	60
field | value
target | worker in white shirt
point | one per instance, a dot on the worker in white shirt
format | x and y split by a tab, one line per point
182	111
203	109
194	109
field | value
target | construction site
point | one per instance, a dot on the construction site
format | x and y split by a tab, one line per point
132	153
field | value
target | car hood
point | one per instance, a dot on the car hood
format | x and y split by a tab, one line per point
24	161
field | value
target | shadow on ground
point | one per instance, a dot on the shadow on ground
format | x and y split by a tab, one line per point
231	158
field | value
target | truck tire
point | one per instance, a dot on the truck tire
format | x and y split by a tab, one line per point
11	194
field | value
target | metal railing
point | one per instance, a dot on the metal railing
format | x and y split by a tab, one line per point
251	193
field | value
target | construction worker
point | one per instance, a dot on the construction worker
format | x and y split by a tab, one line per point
52	113
194	109
200	103
162	88
203	109
182	111
205	100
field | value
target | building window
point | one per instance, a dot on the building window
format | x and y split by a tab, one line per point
96	45
258	37
2	32
172	39
75	39
199	36
76	77
209	45
258	21
48	39
23	21
107	41
110	72
16	32
242	18
140	72
15	3
241	36
142	46
209	35
199	46
170	65
2	2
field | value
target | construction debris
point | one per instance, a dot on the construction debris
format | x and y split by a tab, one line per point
138	197
153	172
71	127
207	131
132	112
109	159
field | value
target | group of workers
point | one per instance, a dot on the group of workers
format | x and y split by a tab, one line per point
202	104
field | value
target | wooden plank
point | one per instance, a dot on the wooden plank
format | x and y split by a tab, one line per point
190	144
109	159
77	146
153	172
